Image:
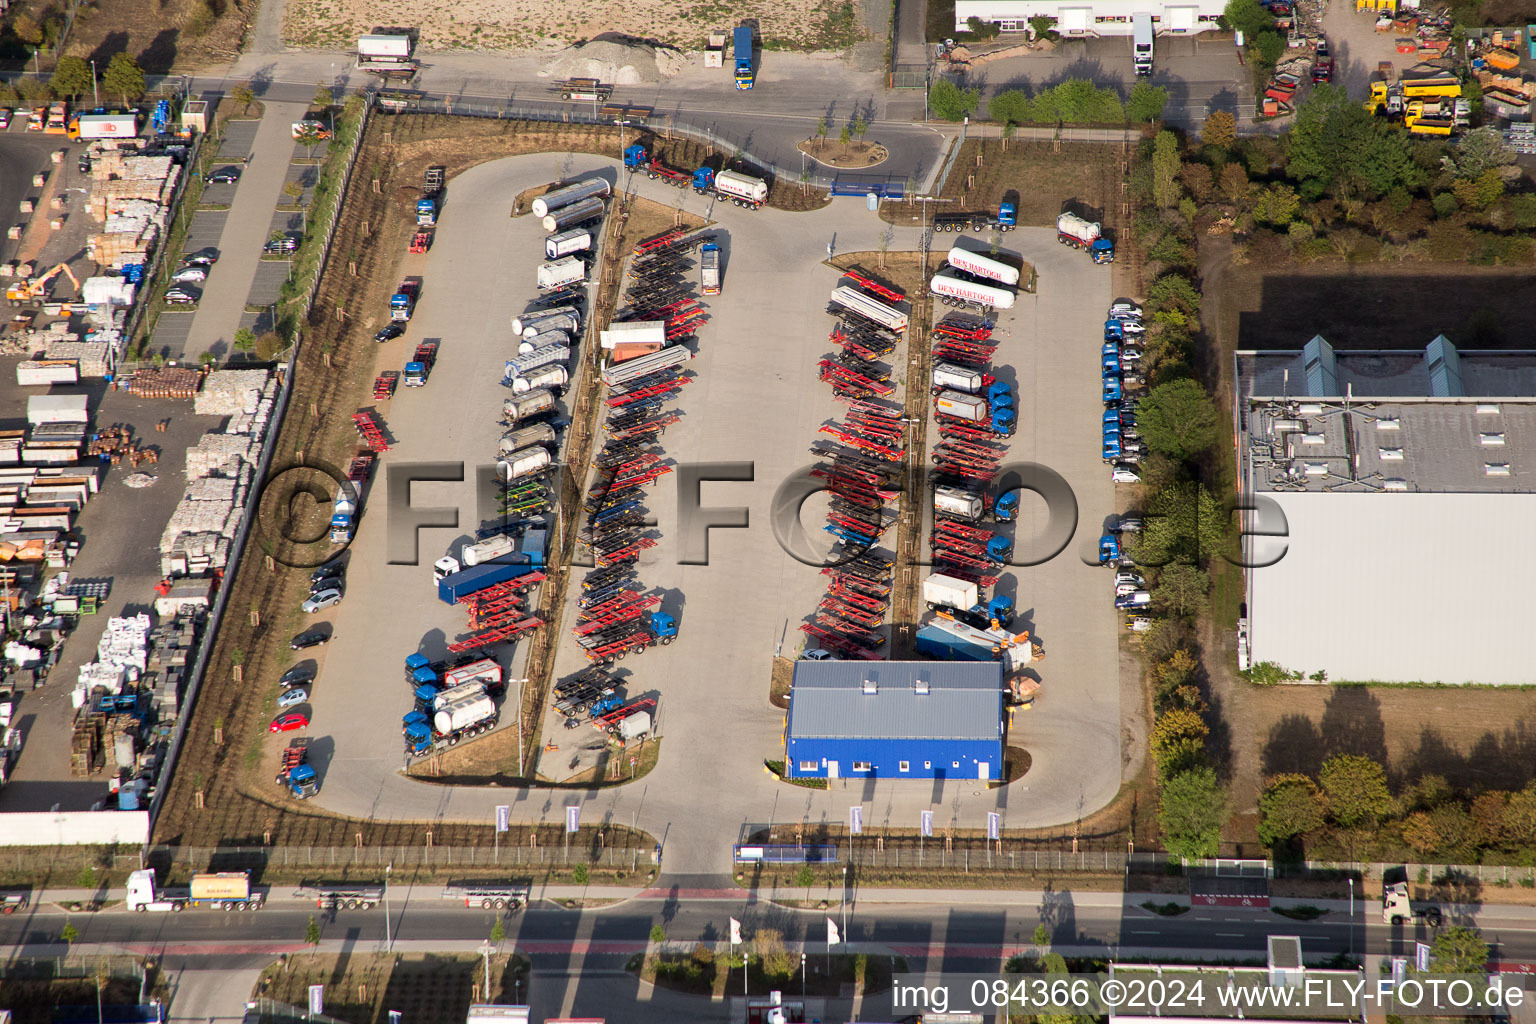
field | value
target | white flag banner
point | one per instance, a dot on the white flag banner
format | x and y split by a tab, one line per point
832	937
735	932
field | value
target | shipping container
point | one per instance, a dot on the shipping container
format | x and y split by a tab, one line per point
567	243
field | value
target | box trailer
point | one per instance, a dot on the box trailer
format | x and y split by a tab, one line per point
871	309
567	243
561	273
104	126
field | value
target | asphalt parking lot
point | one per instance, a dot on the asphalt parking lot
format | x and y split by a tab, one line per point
754	399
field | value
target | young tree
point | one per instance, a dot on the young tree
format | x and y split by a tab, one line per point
498	931
1276	204
69	933
124	77
245	339
1181	589
1219	129
243	95
1191	813
581	874
323	97
1146	103
948	101
71	77
312	932
1356	789
1179	419
1165	170
845	135
1233	183
1419	833
1290	806
1458	950
822	128
1479	150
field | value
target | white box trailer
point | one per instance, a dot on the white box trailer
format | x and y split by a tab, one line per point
941	591
948	376
983	266
105	126
634	332
394	49
567	243
30	372
561	273
873	309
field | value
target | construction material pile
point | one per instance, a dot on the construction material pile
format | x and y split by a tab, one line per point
617	61
93	358
165	382
120	658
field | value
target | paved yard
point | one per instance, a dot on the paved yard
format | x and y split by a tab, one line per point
755	399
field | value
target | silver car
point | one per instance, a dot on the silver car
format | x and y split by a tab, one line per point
190	274
292	698
322	599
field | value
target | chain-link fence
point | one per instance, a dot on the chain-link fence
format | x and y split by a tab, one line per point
585	847
340	196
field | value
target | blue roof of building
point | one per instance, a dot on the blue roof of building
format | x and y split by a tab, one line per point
963	701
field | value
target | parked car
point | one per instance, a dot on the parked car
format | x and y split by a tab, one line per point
321	599
1139	624
292	698
190	274
311	638
1124	473
289	722
1128	524
180	297
818	654
1124	307
5	118
1127	576
281	245
391	331
297	676
201	258
224	176
84	163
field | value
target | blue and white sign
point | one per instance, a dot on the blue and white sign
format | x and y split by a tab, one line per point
503	816
926	825
317	999
856	821
994	825
573	818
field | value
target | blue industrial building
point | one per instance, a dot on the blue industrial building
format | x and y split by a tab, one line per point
895	720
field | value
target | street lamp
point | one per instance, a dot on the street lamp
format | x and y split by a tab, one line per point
1351	916
94	94
389	942
845	903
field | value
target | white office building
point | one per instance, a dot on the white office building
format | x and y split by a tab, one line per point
1403	482
1089	18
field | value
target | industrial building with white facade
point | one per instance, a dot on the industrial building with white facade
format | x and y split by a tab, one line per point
1082	19
1400	481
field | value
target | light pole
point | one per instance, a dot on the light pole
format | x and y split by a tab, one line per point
94	94
844	936
1351	916
389	942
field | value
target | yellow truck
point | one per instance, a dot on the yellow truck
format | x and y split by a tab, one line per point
57	119
1391	97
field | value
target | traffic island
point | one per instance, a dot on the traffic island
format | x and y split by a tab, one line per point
847	156
716	971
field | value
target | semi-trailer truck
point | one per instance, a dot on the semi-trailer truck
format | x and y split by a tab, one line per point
1005	219
958	503
103	126
742	50
1141	43
455	587
942	591
460	720
224	890
996	414
741	189
1084	234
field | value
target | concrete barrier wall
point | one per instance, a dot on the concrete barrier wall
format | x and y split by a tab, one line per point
75	828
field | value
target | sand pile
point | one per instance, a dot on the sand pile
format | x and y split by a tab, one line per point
615	61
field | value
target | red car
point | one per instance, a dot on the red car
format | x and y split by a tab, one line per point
289	722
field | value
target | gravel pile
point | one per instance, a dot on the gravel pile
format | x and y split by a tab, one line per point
615	61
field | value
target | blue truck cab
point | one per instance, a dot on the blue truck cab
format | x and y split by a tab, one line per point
1007	216
303	783
1112	390
742	48
426	212
1006	508
1102	250
704	181
1109	549
664	626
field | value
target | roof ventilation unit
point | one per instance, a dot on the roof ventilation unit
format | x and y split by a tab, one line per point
1389	424
1390	454
1314	439
1393	483
1490	440
920	686
1496	469
1489	410
1316	468
1287	426
1309	409
870	686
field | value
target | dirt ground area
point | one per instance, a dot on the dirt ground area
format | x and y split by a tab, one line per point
531	25
1042	179
179	35
361	989
34	1001
1372	307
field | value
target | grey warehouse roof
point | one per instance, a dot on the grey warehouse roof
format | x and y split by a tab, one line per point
1439	370
964	700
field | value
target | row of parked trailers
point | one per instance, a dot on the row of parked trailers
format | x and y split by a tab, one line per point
860	462
647	347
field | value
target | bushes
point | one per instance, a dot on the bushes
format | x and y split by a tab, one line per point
1075	101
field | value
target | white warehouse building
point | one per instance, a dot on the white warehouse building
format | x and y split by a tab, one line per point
1400	481
1087	18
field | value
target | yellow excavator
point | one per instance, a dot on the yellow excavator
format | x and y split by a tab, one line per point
33	288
